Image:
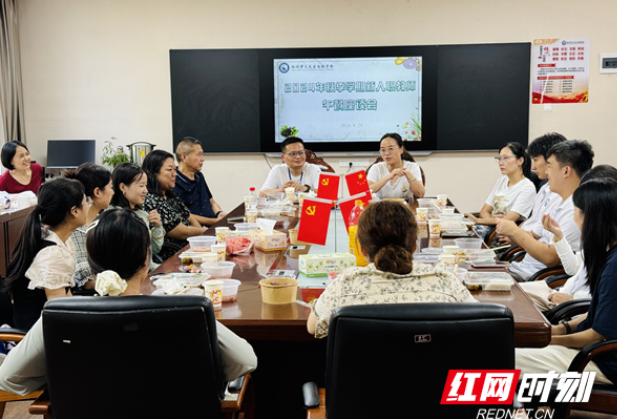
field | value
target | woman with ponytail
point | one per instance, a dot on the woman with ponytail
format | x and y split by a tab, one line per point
513	193
387	234
98	189
118	251
43	261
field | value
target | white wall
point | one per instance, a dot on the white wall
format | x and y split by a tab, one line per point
97	69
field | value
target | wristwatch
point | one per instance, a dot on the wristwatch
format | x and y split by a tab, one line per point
308	188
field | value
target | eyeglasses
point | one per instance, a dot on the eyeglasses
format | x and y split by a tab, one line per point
388	150
294	154
504	158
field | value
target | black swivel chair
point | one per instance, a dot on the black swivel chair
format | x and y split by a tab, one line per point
392	360
132	357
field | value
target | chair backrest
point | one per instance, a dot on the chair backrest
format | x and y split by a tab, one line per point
392	360
130	357
313	158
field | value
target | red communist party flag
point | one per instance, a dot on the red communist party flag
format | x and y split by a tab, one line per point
347	204
314	220
328	186
356	182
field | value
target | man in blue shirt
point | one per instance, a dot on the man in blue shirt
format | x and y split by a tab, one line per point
191	186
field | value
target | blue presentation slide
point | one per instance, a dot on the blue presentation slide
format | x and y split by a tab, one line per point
348	99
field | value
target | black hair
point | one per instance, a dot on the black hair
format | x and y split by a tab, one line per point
290	140
184	145
541	145
519	151
90	175
120	242
56	199
601	171
597	200
126	173
8	152
574	153
396	137
152	165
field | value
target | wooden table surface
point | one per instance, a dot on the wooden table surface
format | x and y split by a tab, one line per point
252	319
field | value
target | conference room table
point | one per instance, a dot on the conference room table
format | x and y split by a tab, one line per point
287	354
250	318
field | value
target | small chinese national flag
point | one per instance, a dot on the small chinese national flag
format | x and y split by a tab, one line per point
328	186
314	220
347	204
356	182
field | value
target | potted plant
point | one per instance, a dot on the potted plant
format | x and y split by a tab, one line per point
113	156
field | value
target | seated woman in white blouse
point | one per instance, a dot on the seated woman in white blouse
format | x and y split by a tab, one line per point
398	176
513	193
120	268
43	261
387	234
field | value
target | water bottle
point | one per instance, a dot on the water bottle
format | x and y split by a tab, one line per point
354	245
251	203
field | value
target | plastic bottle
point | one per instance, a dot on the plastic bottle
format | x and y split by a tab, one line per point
251	203
354	245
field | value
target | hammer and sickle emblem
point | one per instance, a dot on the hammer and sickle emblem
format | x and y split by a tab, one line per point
325	182
311	210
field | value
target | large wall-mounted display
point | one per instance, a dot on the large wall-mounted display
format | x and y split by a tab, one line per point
344	99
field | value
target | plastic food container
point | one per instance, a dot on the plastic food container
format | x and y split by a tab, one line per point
220	270
468	243
230	290
426	202
190	280
283	291
488	281
246	226
451	221
201	243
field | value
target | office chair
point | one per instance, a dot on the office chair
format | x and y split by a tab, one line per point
392	360
13	335
603	397
130	357
313	158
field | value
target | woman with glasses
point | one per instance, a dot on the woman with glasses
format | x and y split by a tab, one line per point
513	193
43	262
398	176
294	172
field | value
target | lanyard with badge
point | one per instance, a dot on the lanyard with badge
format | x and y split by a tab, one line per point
301	175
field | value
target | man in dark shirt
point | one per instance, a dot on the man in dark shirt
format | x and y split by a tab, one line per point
191	186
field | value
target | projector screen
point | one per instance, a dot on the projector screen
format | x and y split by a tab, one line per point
348	99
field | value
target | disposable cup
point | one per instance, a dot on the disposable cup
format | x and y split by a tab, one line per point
447	210
219	250
447	259
221	234
214	292
422	214
450	250
442	200
434	227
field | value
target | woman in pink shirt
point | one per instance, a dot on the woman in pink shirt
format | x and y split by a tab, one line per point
22	175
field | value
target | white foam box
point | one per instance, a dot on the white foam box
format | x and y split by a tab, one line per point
319	264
